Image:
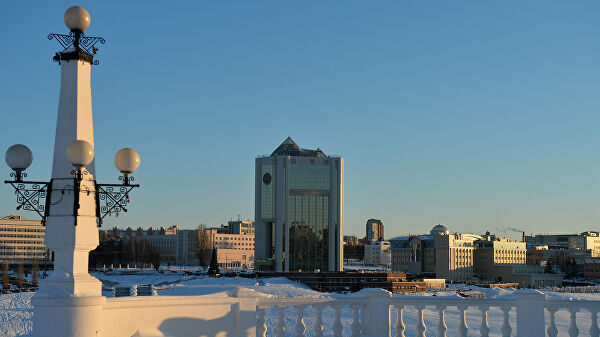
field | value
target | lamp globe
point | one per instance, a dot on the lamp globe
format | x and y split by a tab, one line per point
18	157
80	153
127	160
77	18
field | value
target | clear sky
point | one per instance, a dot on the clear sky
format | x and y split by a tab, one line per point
474	114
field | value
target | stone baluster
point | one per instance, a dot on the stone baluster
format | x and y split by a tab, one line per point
280	322
318	320
506	329
421	327
400	327
355	322
573	329
552	330
463	328
484	329
262	326
300	325
442	328
337	324
594	331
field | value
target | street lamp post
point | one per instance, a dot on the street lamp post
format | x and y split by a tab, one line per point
72	204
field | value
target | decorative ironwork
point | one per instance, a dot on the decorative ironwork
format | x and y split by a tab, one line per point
34	195
31	195
85	46
113	198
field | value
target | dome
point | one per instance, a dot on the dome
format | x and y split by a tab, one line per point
439	230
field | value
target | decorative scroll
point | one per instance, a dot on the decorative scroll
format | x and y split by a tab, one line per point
32	196
81	42
112	198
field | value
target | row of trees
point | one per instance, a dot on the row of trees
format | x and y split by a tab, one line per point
136	252
22	273
139	252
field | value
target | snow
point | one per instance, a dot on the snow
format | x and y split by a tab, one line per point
16	311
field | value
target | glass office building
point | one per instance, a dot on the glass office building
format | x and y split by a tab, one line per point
299	210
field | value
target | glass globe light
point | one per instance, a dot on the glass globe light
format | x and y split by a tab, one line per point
80	153
77	18
127	160
18	157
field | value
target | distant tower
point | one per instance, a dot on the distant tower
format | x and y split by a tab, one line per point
374	230
299	218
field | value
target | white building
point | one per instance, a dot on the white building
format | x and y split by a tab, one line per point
378	253
448	256
299	210
22	240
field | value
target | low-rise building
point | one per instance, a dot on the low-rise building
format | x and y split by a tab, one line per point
591	269
585	241
526	276
233	250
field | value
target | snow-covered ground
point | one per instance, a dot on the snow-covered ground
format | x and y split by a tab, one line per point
16	310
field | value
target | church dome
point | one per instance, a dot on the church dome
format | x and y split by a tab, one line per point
439	230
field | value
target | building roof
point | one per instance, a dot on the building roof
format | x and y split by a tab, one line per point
290	148
439	230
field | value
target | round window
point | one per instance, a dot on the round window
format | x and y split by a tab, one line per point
267	178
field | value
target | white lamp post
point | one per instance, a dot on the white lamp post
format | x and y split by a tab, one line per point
72	204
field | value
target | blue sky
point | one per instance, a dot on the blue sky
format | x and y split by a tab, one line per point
478	115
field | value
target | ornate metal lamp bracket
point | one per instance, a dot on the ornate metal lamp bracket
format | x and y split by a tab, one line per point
113	198
84	46
31	195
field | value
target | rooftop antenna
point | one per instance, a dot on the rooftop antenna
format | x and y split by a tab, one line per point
238	216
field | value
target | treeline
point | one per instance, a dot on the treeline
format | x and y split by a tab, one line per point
136	252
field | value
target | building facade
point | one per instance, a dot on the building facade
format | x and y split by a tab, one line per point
378	253
492	251
586	241
180	246
240	227
448	256
299	208
374	230
22	241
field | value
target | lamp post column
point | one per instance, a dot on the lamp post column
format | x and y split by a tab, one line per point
69	302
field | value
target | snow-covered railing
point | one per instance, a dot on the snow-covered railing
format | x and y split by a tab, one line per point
355	306
441	304
375	312
573	307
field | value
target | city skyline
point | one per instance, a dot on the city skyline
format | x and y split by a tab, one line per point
477	117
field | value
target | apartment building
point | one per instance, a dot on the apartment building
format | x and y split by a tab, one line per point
22	240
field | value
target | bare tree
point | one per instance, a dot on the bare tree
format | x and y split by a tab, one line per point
5	276
35	274
204	246
20	274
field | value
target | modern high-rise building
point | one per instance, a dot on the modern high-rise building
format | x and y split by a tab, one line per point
299	210
374	230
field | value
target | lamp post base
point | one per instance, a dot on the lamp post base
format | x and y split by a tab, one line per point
67	316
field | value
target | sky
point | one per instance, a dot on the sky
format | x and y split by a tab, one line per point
478	115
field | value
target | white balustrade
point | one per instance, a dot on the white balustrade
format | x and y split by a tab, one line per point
337	323
442	328
400	328
484	329
376	308
318	321
421	328
261	329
